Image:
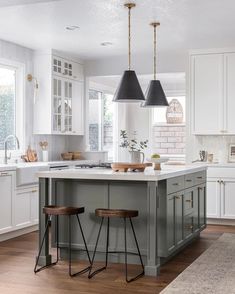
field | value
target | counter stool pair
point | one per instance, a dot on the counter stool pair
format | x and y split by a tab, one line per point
100	212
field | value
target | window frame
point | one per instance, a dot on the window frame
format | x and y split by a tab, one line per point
19	103
103	90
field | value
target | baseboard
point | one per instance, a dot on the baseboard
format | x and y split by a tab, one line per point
216	221
17	233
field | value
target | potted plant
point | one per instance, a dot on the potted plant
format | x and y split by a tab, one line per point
134	146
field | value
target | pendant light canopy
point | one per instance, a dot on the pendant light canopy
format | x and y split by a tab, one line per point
155	96
129	89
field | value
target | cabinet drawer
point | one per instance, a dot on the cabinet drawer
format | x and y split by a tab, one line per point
175	184
200	177
189	181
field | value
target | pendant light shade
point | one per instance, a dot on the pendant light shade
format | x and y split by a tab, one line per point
155	96
129	89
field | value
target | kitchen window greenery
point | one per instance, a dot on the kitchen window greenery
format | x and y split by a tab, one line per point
11	102
132	144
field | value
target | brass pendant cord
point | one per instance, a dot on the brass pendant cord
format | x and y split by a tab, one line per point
155	53
155	24
129	6
129	37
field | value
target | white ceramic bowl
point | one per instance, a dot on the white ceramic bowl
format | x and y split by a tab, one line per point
158	160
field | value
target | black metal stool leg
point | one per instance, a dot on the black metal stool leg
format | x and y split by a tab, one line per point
90	275
137	246
57	238
70	258
107	245
40	250
84	240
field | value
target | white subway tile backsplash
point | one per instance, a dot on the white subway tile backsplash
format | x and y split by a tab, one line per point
169	139
160	139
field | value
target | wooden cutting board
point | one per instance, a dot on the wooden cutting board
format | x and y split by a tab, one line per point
125	166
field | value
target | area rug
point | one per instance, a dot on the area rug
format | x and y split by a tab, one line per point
212	273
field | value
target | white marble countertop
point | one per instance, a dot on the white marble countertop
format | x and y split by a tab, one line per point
107	174
14	166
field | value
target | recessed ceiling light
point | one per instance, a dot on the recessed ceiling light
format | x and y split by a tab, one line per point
72	28
106	43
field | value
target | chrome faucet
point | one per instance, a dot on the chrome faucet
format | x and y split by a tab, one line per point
5	146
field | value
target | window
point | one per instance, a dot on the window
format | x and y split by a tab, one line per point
101	112
11	106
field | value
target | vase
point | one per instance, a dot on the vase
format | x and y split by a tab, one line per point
44	155
136	156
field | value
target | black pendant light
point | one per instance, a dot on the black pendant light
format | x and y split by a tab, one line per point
155	96
129	89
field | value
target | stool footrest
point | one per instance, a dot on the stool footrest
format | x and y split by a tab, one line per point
81	272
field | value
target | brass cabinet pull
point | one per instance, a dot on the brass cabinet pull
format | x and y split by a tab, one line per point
188	180
34	191
4	174
189	200
199	178
189	227
177	197
175	184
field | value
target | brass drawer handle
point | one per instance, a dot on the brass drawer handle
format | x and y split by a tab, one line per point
177	197
188	180
189	227
199	178
188	200
175	184
4	174
34	191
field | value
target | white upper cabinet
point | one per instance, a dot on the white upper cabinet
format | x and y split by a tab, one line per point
212	92
58	102
67	69
230	92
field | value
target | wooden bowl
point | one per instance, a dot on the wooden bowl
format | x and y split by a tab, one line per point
67	156
76	155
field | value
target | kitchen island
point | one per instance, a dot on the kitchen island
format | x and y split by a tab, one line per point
171	205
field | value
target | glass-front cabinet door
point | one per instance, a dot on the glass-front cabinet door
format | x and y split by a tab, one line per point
68	93
57	105
67	97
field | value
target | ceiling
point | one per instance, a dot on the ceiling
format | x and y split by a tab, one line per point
21	2
167	79
185	24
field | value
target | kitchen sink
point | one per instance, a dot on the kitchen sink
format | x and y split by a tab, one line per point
26	174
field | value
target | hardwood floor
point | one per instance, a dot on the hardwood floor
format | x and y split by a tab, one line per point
17	257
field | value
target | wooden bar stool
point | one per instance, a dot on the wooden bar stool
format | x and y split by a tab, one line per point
116	213
66	211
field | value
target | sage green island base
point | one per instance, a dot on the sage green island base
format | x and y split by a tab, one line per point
171	209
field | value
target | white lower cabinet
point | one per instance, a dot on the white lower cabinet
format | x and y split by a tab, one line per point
26	206
221	193
228	198
7	183
19	206
213	198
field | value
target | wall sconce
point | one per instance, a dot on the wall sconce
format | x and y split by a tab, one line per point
30	78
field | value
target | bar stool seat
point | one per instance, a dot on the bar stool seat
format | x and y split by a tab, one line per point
62	210
53	210
104	212
116	213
